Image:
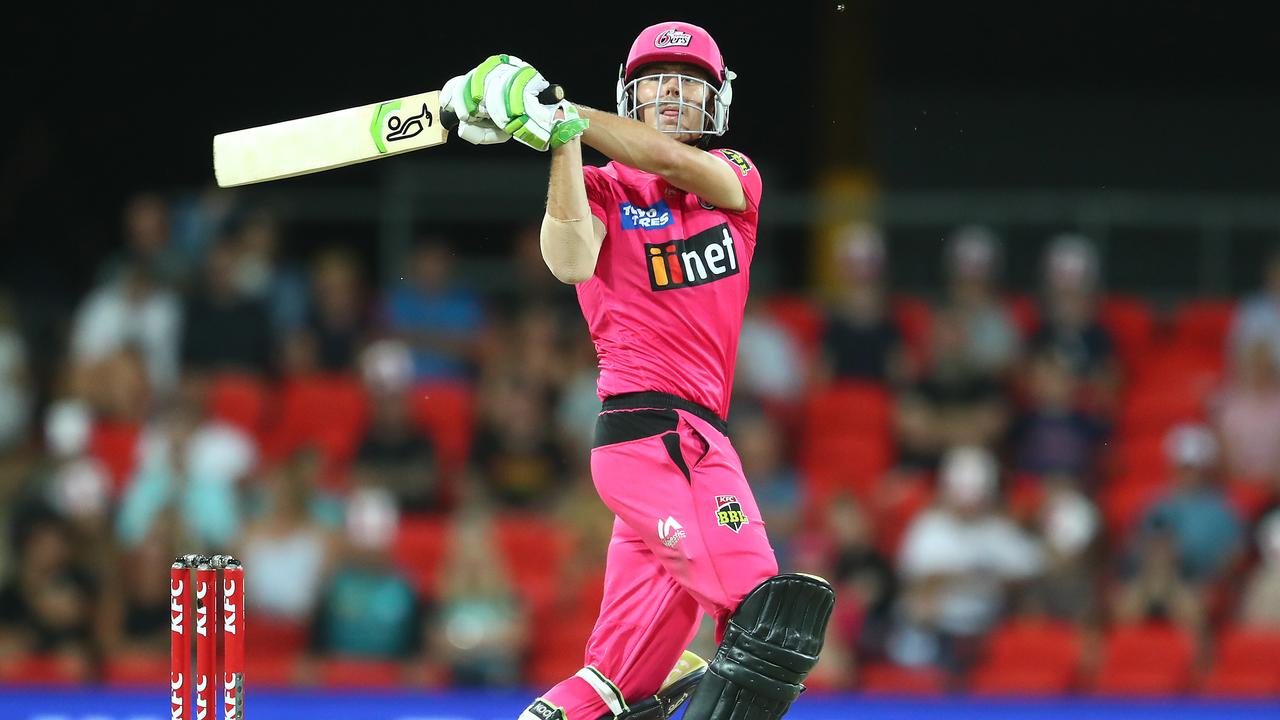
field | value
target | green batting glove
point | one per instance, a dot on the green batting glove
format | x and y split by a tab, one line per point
464	94
511	99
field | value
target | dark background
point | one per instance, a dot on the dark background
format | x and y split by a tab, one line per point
108	100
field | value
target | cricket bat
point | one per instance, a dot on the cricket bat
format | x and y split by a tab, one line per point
337	139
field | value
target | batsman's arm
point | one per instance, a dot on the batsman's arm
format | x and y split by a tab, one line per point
571	235
637	145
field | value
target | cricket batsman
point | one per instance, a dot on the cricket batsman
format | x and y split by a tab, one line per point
658	244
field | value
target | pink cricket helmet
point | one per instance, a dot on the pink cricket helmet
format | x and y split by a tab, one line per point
676	42
679	42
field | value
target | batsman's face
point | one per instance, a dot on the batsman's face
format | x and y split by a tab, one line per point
674	97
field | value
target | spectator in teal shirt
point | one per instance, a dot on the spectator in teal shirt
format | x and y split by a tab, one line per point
369	608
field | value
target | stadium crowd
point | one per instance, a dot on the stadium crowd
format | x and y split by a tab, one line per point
1071	491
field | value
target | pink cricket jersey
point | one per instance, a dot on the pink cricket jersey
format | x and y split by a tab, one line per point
665	304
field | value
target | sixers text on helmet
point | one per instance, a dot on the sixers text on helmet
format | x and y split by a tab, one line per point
672	36
706	257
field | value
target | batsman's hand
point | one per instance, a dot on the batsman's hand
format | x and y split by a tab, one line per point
474	125
511	92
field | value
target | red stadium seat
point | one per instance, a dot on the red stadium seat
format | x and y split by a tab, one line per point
271	671
833	463
1242	649
269	638
329	411
1145	660
115	445
1142	458
849	406
1203	325
420	548
1248	683
137	670
1056	648
41	670
1131	324
801	317
535	551
1024	312
914	319
242	401
886	679
1154	409
445	412
349	673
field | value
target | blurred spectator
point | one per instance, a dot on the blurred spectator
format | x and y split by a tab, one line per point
1204	527
15	382
73	483
480	628
759	442
287	552
46	605
528	351
516	456
1260	602
134	612
192	464
147	232
973	267
531	283
438	317
116	389
958	562
1185	542
335	325
1067	524
133	311
1069	316
199	219
954	403
861	341
369	608
579	402
867	586
262	273
396	454
1257	319
224	329
769	363
1052	436
1248	416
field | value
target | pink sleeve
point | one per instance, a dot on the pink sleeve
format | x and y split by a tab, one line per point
748	174
598	191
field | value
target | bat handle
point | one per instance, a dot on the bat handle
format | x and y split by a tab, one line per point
549	96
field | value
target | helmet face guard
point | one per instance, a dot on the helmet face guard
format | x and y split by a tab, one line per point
712	111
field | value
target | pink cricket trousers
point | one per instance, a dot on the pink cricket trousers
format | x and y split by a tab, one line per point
687	538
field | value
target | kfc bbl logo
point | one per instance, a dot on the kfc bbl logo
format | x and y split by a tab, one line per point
729	512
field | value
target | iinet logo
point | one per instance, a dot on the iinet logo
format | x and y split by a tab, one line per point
706	257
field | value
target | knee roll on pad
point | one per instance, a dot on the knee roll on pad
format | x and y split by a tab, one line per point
771	643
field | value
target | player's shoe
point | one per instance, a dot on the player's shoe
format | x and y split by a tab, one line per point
675	690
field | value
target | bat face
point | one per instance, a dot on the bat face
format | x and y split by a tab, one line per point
332	140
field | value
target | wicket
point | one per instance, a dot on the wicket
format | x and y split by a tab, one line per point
232	630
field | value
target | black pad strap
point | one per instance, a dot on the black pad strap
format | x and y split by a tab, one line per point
770	645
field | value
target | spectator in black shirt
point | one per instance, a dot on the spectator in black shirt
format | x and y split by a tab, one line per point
861	341
223	329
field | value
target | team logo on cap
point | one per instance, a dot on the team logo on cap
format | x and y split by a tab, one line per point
729	512
671	38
